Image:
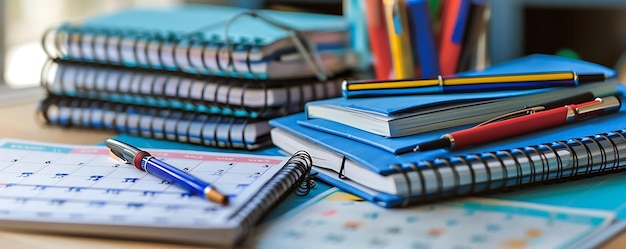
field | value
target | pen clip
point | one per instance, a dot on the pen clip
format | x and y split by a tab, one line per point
118	155
518	113
597	106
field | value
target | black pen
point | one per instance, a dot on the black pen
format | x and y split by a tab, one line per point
142	160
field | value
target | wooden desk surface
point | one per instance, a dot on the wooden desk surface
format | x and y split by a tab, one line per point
18	120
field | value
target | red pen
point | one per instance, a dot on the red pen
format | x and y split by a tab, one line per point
524	124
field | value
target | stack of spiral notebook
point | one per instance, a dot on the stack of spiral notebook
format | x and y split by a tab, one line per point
211	75
369	165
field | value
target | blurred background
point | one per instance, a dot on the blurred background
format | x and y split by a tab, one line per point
590	30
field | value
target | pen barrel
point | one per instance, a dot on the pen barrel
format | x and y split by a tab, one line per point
506	86
174	175
510	127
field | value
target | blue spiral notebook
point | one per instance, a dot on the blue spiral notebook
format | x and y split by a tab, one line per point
154	122
396	116
209	39
185	92
549	155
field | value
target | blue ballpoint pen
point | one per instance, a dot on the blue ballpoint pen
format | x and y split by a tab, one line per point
142	160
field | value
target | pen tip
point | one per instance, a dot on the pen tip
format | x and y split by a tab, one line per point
443	142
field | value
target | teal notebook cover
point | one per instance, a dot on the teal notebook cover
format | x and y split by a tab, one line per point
210	20
210	39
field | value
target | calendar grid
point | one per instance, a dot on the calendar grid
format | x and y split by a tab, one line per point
84	184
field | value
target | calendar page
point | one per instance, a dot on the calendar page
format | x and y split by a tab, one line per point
45	182
336	219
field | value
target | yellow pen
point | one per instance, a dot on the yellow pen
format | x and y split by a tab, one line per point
398	32
370	88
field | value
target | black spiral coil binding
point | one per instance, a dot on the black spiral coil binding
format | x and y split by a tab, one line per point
295	174
514	168
154	122
216	95
172	51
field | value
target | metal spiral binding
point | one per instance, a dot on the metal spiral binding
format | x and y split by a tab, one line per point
502	168
457	179
147	121
172	51
296	172
525	166
179	90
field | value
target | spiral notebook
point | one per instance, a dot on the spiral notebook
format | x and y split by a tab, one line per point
205	94
396	116
156	122
81	190
212	40
580	149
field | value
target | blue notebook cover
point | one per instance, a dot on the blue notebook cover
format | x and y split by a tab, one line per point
393	105
395	145
211	40
397	116
380	161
